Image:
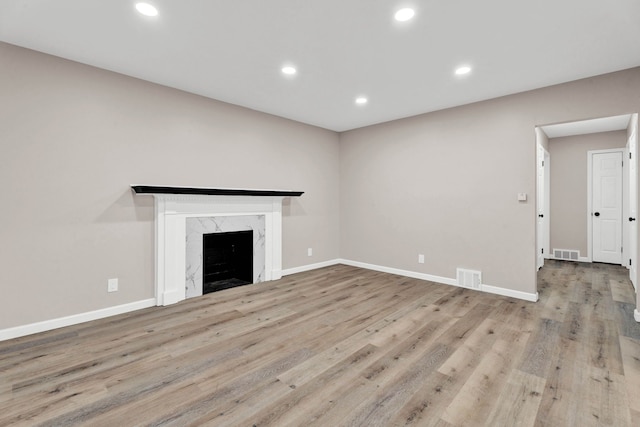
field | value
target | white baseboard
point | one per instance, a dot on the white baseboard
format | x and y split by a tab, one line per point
310	267
636	315
580	259
509	293
276	274
444	280
47	325
171	297
399	272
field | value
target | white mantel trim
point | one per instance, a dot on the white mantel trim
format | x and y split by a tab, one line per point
172	210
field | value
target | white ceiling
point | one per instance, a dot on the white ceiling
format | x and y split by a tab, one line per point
233	50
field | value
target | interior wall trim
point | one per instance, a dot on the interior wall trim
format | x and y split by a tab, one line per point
48	325
399	272
309	267
532	297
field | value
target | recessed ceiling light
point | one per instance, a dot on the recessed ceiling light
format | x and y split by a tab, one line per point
361	100
404	14
461	71
146	9
289	70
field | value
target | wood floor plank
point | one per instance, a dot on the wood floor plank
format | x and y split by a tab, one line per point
440	388
540	347
555	307
298	404
519	401
559	404
428	402
605	400
370	379
398	388
476	398
343	346
388	331
621	290
472	350
604	346
627	326
525	316
630	350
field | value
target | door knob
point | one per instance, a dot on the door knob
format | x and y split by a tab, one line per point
631	219
597	213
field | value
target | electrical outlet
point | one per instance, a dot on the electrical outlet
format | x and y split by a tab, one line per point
310	252
421	258
112	285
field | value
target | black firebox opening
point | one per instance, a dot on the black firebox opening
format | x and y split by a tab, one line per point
227	260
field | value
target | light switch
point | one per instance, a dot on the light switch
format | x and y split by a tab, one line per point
522	197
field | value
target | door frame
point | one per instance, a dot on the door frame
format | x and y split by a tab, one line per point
543	236
547	205
625	198
632	204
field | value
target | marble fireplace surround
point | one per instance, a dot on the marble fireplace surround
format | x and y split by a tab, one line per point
174	205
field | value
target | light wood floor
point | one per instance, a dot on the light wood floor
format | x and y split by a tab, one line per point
342	346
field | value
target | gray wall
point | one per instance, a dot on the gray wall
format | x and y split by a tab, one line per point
74	138
569	186
445	183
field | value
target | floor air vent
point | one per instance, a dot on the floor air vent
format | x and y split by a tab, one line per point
471	279
566	254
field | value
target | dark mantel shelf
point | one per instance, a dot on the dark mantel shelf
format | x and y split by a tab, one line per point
150	189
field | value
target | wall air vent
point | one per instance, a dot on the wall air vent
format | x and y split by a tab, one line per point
566	254
471	279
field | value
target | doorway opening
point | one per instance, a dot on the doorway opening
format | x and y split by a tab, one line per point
586	203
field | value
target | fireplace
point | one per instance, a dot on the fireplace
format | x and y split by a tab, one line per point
184	214
227	260
196	228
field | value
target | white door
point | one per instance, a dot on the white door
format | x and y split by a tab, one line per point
633	202
606	207
542	205
546	239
